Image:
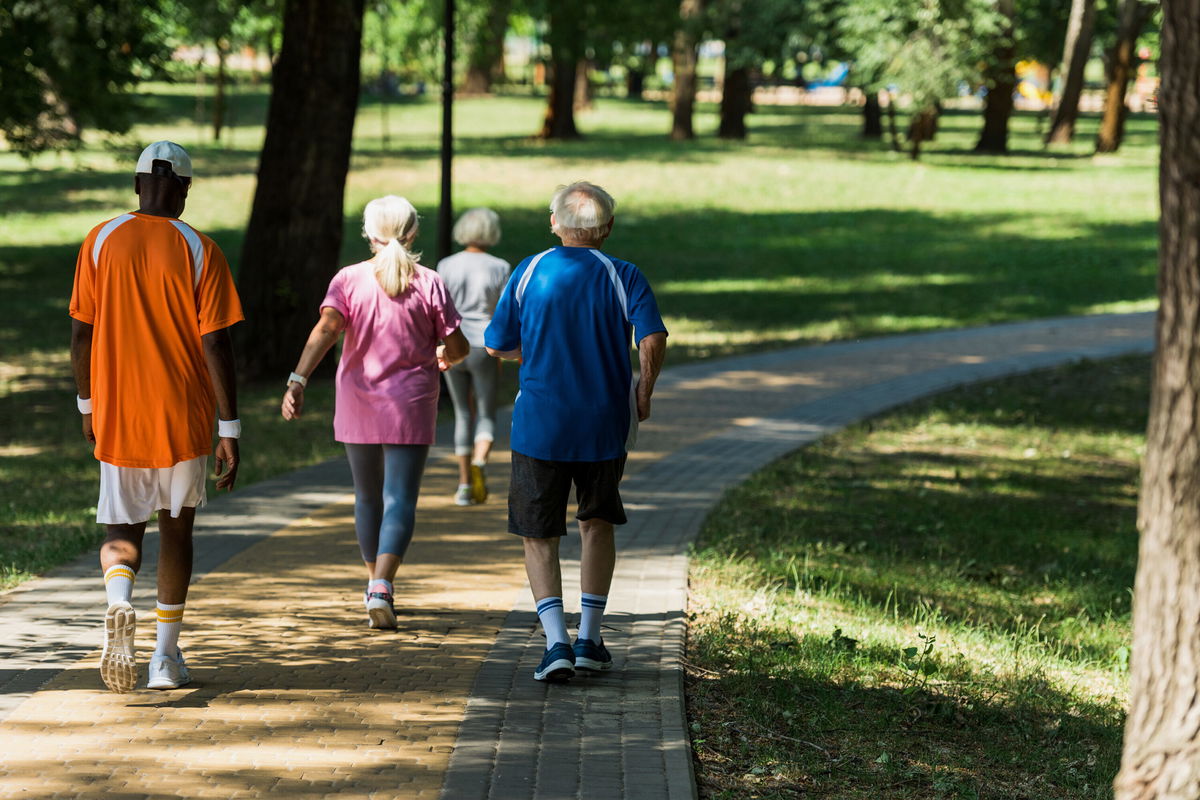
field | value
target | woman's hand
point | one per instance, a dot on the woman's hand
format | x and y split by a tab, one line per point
442	362
293	401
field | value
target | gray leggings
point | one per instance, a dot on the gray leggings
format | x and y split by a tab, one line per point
387	480
481	371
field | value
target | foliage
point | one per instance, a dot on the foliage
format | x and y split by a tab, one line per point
927	48
406	37
758	31
69	65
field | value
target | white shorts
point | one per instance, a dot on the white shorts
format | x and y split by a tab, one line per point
129	495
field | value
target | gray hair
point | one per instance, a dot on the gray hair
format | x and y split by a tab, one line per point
390	225
581	210
479	227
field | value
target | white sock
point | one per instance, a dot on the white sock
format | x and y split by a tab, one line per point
592	606
170	620
550	612
379	585
118	583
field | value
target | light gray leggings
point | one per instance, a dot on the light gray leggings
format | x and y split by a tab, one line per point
387	480
481	371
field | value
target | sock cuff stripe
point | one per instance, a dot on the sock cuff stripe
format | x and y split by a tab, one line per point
549	602
167	620
118	571
593	603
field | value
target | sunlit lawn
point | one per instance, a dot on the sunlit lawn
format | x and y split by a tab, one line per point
934	604
802	234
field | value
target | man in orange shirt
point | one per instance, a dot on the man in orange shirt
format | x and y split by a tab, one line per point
151	309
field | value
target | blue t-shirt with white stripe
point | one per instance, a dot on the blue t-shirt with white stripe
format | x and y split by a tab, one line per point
573	311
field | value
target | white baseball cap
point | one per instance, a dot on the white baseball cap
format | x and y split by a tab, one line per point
170	152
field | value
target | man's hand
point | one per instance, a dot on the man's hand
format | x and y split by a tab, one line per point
643	404
87	429
227	463
293	402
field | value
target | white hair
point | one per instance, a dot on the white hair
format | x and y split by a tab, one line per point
479	227
390	225
581	211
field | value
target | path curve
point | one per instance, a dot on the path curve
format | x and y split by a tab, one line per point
293	697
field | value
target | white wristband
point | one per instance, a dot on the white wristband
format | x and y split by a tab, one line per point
229	428
296	377
85	406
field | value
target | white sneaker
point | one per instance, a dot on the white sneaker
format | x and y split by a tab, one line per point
463	496
167	672
118	662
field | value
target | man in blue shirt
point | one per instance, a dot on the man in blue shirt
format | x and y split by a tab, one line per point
569	313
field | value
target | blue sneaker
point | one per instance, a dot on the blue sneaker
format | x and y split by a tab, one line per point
557	665
592	655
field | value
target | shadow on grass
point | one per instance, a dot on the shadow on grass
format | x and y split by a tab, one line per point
748	281
944	729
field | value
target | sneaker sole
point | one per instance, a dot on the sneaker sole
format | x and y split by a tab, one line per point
118	663
557	672
381	617
592	665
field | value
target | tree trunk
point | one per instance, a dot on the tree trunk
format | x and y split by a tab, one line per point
218	118
922	128
872	116
635	82
1134	14
1001	80
485	60
583	86
566	38
1076	48
683	62
735	103
892	127
1161	758
294	237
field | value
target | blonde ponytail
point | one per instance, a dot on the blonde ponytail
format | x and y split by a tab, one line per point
390	224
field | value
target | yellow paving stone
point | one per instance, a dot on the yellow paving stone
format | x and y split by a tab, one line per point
292	694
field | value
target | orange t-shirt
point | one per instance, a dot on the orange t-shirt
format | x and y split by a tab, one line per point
151	287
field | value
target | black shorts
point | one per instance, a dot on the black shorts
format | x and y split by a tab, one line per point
539	490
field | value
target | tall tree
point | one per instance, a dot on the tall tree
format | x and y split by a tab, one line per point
1000	79
1119	67
684	58
485	29
70	65
754	32
295	231
1076	48
927	48
568	44
1161	758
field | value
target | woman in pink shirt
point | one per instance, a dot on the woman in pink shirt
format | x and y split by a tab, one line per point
394	312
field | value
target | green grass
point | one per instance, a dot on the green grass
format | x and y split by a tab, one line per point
802	234
932	604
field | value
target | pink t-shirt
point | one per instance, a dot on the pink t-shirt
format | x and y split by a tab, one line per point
387	381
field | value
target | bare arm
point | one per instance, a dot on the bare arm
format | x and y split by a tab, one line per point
81	365
510	355
652	350
454	348
324	335
218	354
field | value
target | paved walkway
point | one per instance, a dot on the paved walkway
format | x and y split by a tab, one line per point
294	697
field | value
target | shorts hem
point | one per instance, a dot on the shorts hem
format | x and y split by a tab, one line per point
524	535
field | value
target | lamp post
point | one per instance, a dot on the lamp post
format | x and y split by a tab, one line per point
446	210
